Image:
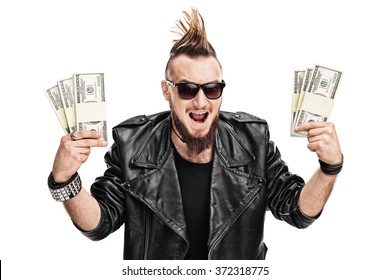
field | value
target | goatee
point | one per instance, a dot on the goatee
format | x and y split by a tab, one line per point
195	144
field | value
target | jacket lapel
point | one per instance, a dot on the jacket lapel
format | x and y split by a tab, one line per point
159	188
231	188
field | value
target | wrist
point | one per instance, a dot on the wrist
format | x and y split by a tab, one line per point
64	191
55	183
58	178
331	169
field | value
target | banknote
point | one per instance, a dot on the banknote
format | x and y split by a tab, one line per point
80	102
54	96
90	102
299	96
298	82
317	96
305	83
66	88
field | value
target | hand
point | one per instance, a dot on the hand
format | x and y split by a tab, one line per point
323	140
73	151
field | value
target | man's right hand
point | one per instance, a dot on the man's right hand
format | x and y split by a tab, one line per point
73	151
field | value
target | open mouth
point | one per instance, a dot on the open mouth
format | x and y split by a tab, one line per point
199	117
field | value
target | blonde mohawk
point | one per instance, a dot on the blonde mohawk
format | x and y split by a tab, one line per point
193	39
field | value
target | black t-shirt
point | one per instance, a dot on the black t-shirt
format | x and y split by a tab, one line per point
194	179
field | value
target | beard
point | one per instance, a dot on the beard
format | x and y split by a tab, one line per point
195	144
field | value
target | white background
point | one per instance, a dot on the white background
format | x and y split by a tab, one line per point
260	44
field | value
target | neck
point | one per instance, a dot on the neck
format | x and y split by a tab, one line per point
203	157
177	134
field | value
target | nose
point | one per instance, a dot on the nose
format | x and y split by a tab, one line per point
200	100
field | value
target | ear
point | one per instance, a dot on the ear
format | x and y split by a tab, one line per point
164	88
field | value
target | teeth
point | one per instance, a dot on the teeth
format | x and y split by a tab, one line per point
199	116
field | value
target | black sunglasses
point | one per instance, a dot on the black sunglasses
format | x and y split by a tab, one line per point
189	90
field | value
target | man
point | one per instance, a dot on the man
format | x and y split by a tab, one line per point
193	182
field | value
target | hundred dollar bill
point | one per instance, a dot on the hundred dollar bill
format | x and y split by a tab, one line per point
298	83
56	102
301	95
66	88
305	83
319	98
90	102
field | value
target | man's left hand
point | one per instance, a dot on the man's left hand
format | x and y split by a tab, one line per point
322	138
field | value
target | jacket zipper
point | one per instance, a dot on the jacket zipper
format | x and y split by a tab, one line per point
148	222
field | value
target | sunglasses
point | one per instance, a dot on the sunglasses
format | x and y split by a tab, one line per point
188	91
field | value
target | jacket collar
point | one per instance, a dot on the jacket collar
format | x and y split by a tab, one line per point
157	146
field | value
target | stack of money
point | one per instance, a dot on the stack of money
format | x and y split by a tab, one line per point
313	96
80	103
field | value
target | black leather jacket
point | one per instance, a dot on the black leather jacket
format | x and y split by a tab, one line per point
140	188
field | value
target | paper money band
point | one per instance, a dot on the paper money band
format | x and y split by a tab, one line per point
93	111
319	104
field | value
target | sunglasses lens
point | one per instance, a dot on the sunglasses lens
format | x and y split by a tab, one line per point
187	91
213	90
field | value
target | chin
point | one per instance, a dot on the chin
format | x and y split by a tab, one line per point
194	129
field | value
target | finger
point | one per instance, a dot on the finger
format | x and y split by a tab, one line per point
320	134
327	133
312	147
315	132
84	134
309	126
315	138
81	158
78	154
326	148
73	137
318	146
83	151
87	143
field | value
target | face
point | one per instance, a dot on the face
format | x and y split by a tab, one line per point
196	116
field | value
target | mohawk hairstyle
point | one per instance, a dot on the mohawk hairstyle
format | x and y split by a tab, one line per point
193	39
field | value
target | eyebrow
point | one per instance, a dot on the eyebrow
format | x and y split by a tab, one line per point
191	82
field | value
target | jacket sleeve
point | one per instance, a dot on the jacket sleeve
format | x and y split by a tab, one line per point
284	189
108	192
